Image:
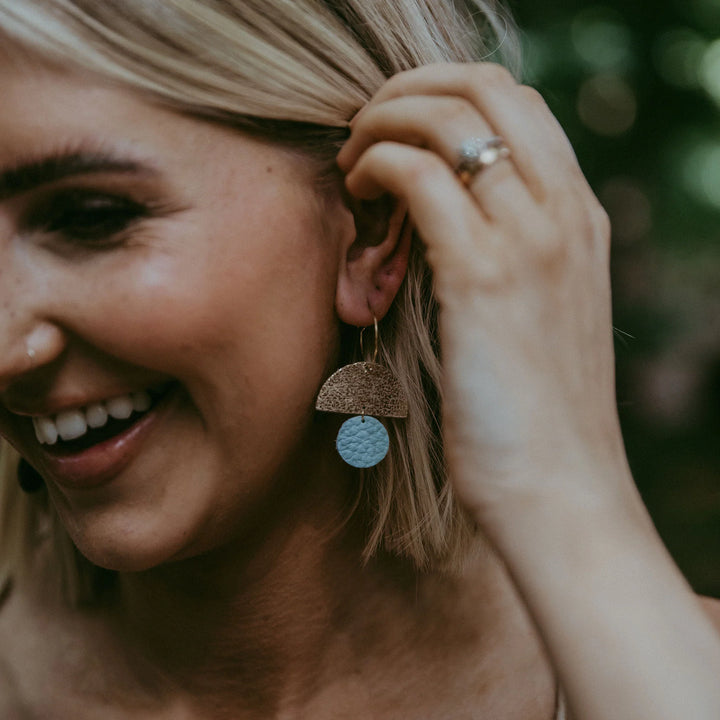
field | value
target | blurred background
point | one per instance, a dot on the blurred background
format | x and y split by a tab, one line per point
636	85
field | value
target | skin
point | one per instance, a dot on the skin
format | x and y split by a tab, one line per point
245	561
240	596
132	323
521	263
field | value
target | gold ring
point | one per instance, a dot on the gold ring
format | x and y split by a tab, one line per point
477	154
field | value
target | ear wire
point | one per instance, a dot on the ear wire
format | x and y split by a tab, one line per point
377	340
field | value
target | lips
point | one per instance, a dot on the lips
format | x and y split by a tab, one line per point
92	456
80	427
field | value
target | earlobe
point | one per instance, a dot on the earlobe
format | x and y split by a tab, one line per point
375	263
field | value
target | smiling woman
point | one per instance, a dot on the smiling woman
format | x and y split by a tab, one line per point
201	204
313	121
162	261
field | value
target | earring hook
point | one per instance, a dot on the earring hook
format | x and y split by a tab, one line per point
377	339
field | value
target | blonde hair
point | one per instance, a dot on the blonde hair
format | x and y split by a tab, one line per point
294	71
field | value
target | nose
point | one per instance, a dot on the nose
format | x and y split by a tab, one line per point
25	351
29	338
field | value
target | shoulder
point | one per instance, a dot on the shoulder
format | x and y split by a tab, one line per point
33	654
42	655
11	705
62	662
712	609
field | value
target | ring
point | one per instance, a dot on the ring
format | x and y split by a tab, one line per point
476	154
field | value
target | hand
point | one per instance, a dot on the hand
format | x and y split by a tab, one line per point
520	258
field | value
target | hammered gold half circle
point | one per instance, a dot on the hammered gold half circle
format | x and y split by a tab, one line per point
363	388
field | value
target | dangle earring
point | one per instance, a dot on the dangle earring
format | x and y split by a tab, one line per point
363	389
29	478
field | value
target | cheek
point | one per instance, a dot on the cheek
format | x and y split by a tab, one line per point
232	310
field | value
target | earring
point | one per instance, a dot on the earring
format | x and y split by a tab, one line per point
29	478
363	389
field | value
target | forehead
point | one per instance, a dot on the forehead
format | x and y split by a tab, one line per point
44	105
48	112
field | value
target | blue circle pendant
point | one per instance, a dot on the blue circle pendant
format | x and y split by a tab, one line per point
362	441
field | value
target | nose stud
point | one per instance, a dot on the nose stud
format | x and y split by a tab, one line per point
41	345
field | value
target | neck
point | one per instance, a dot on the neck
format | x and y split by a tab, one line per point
289	617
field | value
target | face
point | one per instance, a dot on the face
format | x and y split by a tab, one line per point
174	284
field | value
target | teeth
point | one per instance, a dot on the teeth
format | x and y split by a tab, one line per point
45	430
120	407
141	401
73	424
96	415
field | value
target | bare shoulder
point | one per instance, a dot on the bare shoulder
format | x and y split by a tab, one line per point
712	608
65	663
35	654
11	704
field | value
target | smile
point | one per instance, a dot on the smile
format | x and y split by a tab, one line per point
96	420
88	446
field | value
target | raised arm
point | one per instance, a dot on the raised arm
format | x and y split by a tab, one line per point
520	255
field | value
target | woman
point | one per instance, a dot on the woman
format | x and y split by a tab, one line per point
191	239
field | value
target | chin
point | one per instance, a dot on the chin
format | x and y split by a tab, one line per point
126	550
121	558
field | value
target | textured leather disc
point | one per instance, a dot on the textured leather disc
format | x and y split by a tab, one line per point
362	441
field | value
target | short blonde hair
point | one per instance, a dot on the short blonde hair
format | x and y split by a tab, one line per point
293	71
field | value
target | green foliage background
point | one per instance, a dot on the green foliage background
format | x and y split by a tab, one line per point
636	85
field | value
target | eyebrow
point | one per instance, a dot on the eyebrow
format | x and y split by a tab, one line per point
28	176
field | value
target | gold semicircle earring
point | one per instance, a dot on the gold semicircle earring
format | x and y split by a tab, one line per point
366	390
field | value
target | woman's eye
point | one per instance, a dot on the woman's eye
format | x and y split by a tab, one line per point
85	216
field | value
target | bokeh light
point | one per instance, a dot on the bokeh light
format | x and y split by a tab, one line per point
678	55
602	39
607	104
701	172
710	70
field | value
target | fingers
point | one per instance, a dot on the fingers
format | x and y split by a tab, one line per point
467	251
534	204
449	219
440	125
541	152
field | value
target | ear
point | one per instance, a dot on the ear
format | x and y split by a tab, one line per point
373	265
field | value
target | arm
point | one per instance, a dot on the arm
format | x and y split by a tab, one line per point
520	258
